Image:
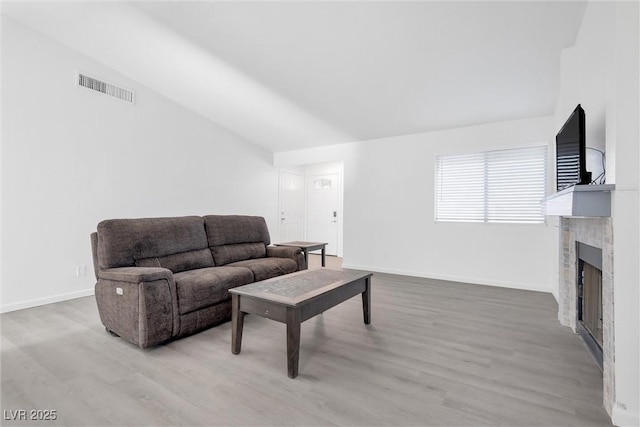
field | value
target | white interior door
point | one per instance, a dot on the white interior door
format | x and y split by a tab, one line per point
322	210
291	207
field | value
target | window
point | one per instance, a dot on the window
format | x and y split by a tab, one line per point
322	184
504	186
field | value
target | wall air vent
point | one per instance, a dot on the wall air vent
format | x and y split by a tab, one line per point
105	88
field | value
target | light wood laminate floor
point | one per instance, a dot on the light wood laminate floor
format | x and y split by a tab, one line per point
436	353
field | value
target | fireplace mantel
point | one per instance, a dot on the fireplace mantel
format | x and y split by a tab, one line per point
580	201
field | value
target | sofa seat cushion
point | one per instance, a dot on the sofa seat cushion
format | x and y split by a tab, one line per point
266	268
208	286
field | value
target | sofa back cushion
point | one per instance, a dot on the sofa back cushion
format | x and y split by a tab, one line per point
234	238
176	242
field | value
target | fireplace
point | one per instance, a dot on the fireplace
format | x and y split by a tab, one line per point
587	249
589	298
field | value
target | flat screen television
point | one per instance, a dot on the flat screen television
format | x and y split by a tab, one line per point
571	164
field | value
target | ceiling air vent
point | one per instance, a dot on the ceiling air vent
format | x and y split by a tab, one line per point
105	88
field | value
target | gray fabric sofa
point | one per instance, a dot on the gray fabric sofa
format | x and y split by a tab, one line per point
164	278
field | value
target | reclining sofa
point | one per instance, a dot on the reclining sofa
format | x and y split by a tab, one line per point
163	278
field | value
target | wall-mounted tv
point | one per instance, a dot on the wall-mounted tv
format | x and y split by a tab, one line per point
571	164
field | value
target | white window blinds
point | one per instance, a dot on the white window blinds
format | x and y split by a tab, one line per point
504	186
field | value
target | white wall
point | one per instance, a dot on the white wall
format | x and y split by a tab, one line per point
624	119
72	157
601	72
389	209
584	67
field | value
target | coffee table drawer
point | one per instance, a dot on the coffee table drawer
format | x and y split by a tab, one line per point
263	309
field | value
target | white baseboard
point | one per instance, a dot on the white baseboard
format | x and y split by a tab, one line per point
471	280
624	418
46	300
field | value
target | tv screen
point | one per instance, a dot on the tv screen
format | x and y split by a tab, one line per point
570	152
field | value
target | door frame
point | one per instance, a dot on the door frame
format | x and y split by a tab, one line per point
323	168
301	174
312	170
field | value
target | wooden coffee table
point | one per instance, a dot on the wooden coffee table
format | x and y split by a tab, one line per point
294	298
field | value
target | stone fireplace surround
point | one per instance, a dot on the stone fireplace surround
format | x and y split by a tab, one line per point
597	232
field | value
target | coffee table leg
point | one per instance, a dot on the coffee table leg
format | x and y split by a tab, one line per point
237	323
323	253
293	341
366	301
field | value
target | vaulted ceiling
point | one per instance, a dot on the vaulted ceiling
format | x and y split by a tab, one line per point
290	75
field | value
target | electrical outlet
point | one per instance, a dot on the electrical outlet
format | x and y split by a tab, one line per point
81	270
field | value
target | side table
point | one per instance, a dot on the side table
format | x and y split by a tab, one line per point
306	247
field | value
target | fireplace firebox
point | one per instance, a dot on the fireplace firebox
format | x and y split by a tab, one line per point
589	298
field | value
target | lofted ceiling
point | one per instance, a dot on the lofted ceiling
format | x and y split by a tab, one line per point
290	75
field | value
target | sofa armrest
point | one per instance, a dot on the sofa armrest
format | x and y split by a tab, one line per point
288	252
283	251
135	274
139	304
